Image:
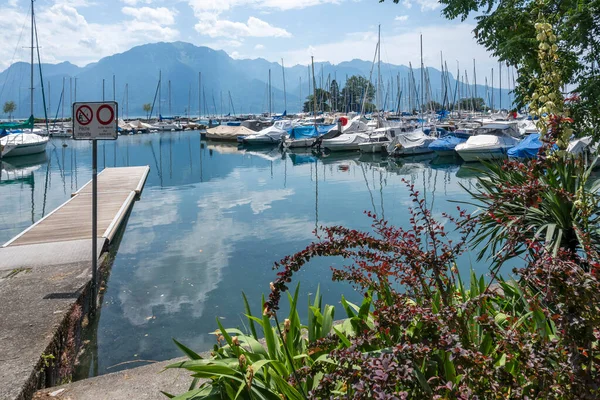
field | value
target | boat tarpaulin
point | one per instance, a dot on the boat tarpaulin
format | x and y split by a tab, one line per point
446	143
304	132
527	148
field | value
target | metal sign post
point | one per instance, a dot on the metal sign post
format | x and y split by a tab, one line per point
95	121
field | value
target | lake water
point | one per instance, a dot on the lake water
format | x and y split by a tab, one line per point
211	221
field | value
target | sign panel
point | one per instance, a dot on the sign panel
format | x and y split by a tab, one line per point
95	120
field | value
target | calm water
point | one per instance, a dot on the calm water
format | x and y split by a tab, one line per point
211	221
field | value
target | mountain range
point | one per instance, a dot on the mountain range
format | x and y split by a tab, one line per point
229	85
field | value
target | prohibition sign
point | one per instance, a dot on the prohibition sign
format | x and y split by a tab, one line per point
84	115
105	121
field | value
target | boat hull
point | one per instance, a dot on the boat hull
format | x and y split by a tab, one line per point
445	153
299	143
475	155
341	147
412	151
24	149
378	147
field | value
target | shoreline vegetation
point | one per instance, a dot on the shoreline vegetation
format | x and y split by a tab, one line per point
423	331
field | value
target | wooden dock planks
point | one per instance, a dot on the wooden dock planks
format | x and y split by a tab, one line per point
117	191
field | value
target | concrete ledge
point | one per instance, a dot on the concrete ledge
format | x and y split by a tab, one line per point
138	383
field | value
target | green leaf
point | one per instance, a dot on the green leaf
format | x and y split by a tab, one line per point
343	338
191	354
269	335
249	313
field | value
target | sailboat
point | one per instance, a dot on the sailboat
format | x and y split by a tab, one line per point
23	143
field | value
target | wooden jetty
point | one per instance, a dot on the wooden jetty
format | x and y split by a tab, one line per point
45	281
117	190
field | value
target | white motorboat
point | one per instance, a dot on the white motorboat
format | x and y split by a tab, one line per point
22	144
410	143
271	135
378	141
491	142
345	141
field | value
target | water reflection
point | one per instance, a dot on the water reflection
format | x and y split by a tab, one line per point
212	220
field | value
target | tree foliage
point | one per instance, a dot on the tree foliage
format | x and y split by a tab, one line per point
323	98
354	91
9	108
147	108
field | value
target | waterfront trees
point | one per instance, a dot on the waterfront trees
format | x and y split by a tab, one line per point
9	108
147	107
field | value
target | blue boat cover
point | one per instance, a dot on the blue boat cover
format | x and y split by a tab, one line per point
234	123
448	142
527	148
325	128
304	132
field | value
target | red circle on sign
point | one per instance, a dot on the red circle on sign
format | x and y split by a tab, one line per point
112	114
84	115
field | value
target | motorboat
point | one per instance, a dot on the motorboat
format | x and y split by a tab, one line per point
345	141
378	141
445	145
352	133
410	143
230	131
491	142
271	135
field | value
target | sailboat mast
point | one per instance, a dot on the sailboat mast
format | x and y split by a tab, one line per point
379	68
312	61
270	93
493	90
32	47
62	112
159	91
169	89
127	100
474	81
500	76
284	94
199	94
422	66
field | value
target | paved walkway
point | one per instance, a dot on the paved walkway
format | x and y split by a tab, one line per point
45	275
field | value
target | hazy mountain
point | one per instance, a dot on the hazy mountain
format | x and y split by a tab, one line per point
180	63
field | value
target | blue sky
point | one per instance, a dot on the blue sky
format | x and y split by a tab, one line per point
83	31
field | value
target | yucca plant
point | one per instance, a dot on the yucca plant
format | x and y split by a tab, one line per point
263	362
548	201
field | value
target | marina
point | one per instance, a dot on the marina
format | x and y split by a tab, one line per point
211	201
212	212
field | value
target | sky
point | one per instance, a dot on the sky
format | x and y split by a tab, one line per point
83	31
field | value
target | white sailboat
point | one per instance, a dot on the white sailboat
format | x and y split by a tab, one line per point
23	143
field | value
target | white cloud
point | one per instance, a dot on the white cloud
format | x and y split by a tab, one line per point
429	5
407	3
210	24
65	34
160	15
401	18
224	5
135	2
259	47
